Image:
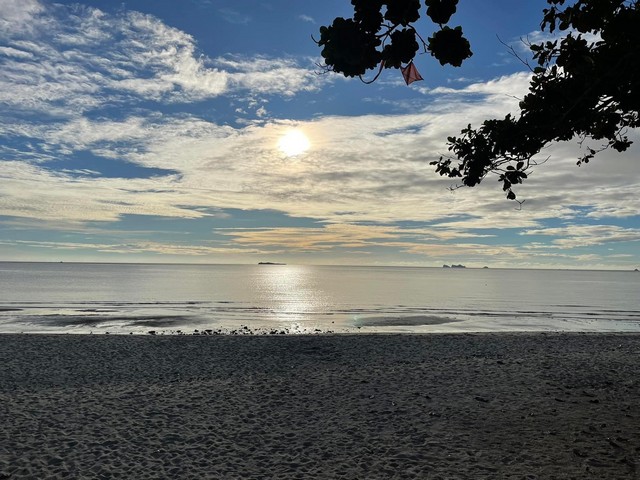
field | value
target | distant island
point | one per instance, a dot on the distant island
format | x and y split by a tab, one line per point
270	263
453	266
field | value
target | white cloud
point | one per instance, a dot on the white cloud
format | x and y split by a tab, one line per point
16	15
260	75
79	58
368	168
521	46
136	247
14	52
573	236
35	193
515	85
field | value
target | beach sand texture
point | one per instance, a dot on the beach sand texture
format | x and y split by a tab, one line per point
472	406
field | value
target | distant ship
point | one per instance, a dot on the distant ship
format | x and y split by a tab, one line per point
270	263
453	266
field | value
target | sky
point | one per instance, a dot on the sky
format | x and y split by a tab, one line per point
203	131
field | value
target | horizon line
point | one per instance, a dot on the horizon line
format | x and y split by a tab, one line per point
631	269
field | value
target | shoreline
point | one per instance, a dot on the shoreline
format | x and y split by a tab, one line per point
342	405
290	332
352	332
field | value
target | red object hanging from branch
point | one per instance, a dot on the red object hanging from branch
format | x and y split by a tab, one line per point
410	73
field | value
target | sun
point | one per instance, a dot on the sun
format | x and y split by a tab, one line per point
294	143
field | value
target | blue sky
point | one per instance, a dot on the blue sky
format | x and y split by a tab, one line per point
151	131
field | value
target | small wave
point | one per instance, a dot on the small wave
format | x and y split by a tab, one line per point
415	320
160	321
56	320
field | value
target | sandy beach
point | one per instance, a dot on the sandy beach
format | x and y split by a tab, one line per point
469	406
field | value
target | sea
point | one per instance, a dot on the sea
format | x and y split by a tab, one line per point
301	299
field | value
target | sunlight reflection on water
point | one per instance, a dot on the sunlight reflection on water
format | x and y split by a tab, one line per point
81	298
291	291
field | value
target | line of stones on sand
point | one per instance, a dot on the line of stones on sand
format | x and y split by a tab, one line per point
243	330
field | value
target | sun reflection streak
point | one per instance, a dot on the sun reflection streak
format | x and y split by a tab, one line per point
292	293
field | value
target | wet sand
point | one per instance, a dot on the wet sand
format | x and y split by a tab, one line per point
468	406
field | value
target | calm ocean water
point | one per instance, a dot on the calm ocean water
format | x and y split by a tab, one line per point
123	298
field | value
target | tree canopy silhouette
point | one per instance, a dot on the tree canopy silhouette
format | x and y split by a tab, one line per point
584	85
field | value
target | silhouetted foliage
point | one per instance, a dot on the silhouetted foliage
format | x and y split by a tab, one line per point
381	33
585	84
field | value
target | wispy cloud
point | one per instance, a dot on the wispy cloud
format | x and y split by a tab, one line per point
233	16
78	59
573	236
375	167
132	248
14	52
508	85
520	47
306	18
261	75
16	15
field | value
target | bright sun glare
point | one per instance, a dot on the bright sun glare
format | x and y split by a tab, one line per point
294	143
